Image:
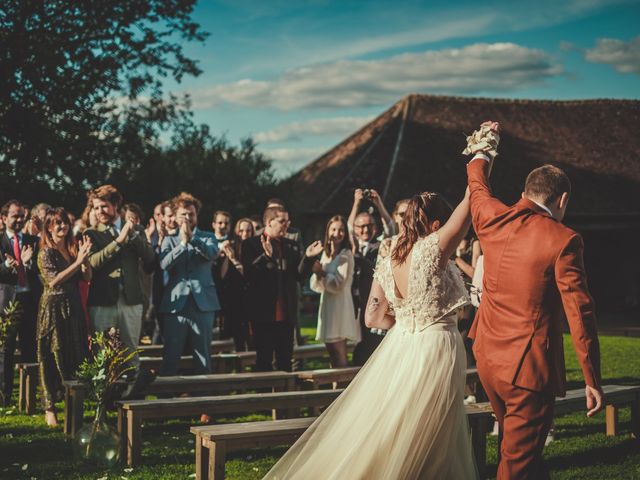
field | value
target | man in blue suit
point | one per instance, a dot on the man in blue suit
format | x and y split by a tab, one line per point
189	300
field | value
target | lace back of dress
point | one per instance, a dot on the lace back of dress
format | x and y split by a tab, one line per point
432	292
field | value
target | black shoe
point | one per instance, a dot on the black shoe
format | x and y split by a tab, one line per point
135	390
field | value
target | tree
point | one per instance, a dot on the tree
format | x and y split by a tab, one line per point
81	92
224	177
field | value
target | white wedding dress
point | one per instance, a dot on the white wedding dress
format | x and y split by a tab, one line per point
402	416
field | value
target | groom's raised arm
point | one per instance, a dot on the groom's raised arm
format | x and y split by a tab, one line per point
484	206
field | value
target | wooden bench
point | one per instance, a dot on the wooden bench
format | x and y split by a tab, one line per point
29	378
213	442
213	384
132	413
217	346
616	396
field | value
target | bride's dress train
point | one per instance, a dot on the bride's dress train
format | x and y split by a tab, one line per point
403	416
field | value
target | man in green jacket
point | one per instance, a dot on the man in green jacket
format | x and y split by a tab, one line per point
118	249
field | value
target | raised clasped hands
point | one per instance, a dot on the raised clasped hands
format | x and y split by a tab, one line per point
185	232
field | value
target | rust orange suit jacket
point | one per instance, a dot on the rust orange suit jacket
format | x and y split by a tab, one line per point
533	277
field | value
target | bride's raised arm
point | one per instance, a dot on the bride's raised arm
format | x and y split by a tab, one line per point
377	314
452	232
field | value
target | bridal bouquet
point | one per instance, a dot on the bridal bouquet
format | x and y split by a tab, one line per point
484	140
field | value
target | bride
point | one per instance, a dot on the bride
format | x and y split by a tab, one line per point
402	416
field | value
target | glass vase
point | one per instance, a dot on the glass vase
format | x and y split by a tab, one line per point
97	442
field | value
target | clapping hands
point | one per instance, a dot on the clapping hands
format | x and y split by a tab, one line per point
314	249
266	245
84	248
26	254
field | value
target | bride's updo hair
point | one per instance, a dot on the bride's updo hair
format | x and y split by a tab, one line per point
423	209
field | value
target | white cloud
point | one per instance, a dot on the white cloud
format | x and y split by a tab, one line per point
623	56
289	160
319	126
482	67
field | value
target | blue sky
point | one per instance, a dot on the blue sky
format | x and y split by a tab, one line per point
301	76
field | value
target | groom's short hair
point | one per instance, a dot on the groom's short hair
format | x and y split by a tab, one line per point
547	183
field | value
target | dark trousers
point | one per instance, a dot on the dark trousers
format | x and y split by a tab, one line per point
273	338
525	418
26	340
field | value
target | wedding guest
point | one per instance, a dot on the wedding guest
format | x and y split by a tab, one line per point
232	286
36	218
134	213
270	263
368	195
332	277
258	226
398	214
190	300
164	227
365	255
221	226
19	281
62	333
118	246
295	234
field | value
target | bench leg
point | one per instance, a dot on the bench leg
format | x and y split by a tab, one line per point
479	444
202	459
133	438
612	420
67	410
122	432
31	384
22	393
635	418
217	459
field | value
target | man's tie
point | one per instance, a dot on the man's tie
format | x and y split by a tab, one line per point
22	277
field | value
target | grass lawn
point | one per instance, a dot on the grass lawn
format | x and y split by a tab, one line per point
31	450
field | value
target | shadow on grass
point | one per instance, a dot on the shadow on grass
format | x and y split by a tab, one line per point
607	455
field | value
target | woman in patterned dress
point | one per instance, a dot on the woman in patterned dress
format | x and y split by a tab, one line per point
61	334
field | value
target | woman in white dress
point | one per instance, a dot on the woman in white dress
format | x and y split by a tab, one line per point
402	416
332	278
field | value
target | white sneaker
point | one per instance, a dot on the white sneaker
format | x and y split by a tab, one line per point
550	437
470	399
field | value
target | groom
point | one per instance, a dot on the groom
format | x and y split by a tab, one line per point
533	277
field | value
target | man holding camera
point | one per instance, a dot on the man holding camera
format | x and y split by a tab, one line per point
364	230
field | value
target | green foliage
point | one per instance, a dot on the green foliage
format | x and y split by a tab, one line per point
9	321
109	360
81	89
